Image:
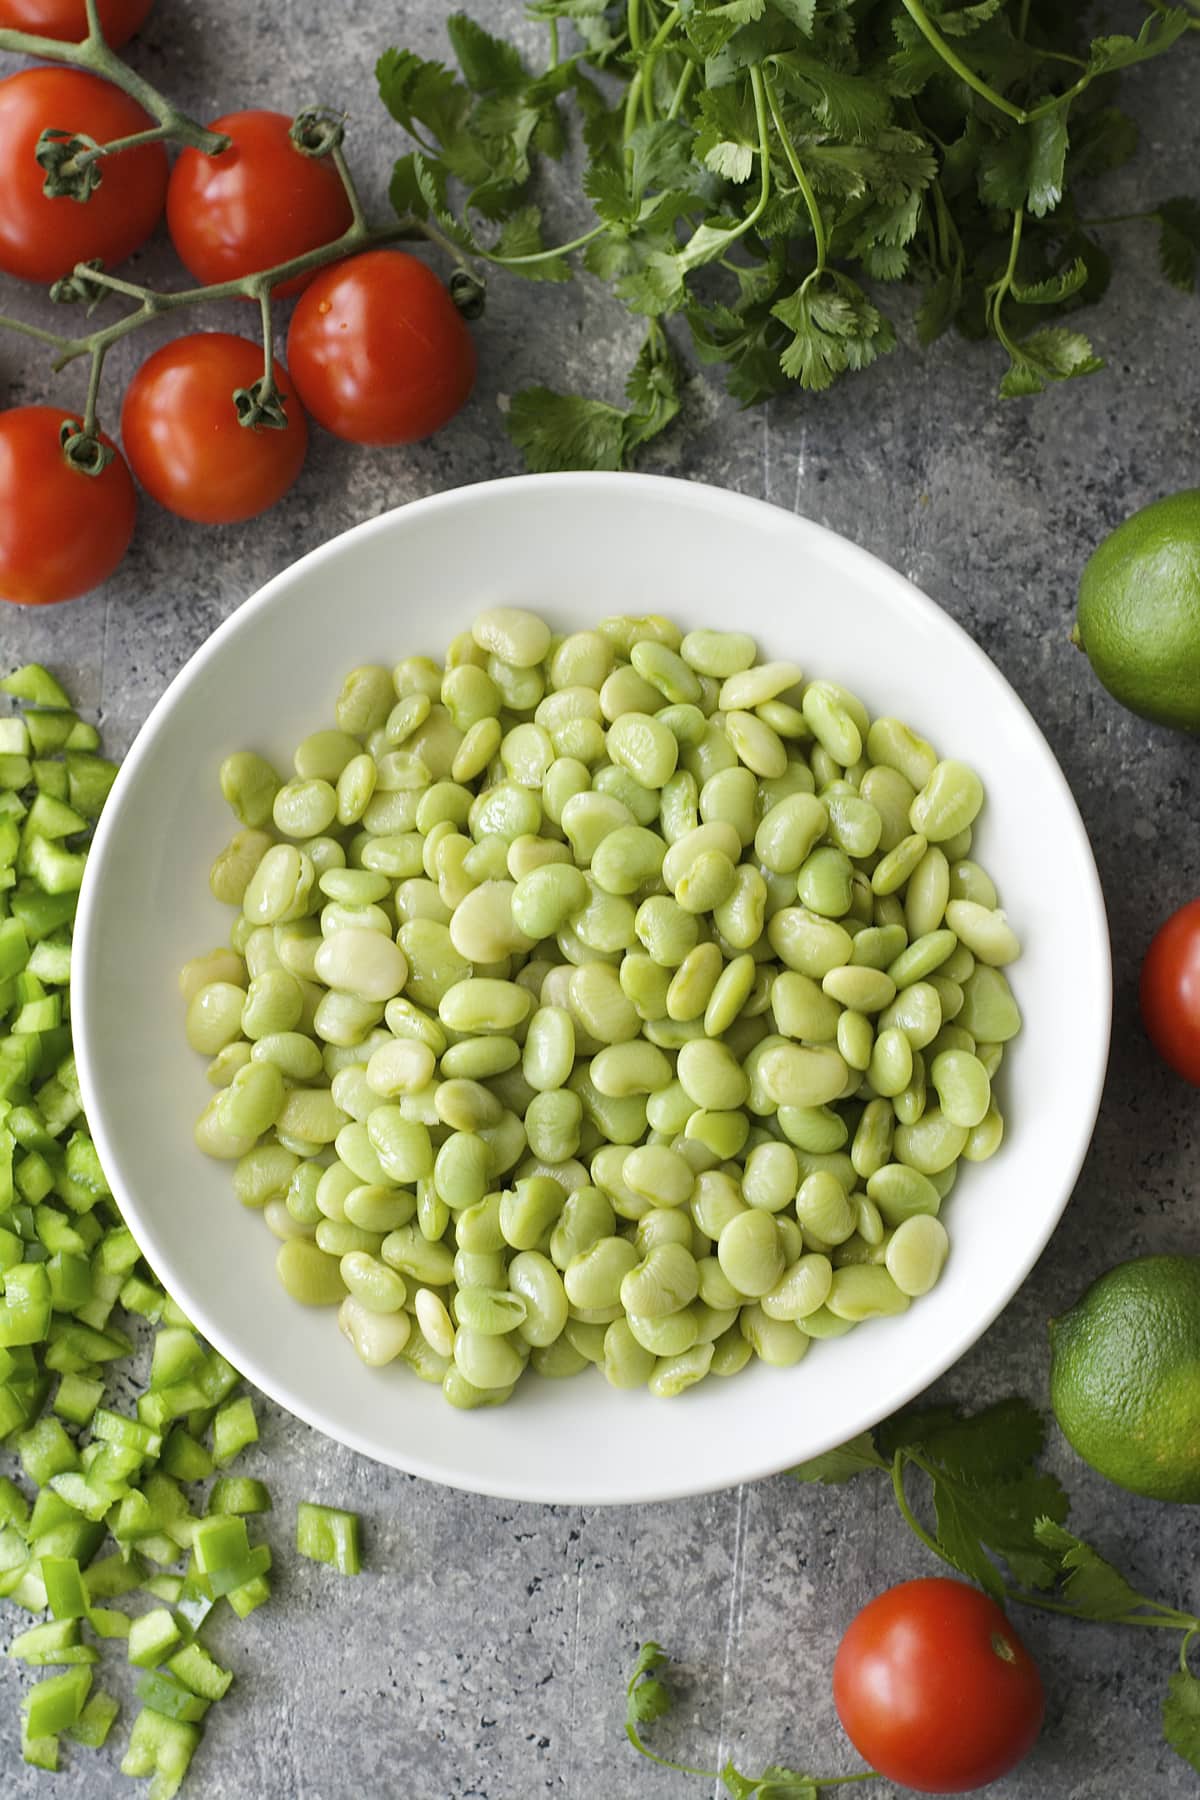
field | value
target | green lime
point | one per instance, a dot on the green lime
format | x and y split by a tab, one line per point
1139	611
1125	1376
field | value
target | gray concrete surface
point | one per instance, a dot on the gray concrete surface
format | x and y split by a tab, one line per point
481	1657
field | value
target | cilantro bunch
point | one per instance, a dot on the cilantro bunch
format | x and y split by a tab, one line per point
765	171
998	1520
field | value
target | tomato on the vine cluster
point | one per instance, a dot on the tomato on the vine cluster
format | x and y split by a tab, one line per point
67	19
935	1689
257	204
378	350
40	238
185	443
62	531
1170	992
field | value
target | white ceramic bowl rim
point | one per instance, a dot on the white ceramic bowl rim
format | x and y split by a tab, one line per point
458	1465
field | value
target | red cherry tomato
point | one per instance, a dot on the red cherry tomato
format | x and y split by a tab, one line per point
1170	992
183	439
378	351
258	203
61	531
41	239
935	1689
67	19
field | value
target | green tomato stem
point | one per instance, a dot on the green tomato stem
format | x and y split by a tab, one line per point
268	389
337	157
90	426
94	54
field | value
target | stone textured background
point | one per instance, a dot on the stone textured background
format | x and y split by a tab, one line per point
482	1655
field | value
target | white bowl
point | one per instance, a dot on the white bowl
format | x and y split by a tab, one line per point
574	547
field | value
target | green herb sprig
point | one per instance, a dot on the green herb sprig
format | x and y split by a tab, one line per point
761	170
1000	1521
648	1698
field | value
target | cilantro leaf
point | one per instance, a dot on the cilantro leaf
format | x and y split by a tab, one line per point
1055	354
1002	1440
1181	1717
968	18
488	63
661	156
1159	32
434	107
653	393
1179	241
646	1699
1025	167
404	190
800	13
987	1494
522	237
1047	157
727	142
566	431
773	1784
848	104
835	328
937	310
604	184
786	1784
1055	287
1092	1585
654	285
569	431
430	178
710	27
842	1464
1102	139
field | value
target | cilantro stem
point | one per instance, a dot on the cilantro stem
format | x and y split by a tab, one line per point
951	58
906	1512
537	256
1168	1621
797	168
664	1763
638	84
706	243
553	64
681	88
1022	115
996	293
633	23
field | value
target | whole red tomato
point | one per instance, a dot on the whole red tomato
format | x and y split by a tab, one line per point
258	203
935	1688
61	531
378	351
67	19
183	439
1170	992
41	239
